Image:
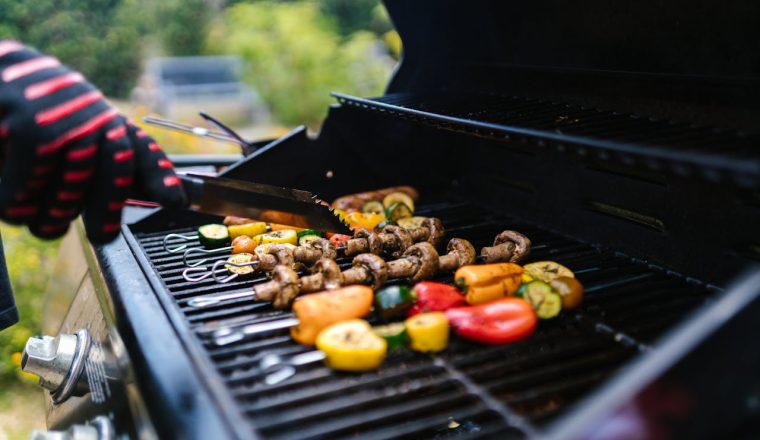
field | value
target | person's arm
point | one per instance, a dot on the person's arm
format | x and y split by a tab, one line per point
8	311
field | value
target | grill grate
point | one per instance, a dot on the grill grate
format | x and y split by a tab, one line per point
467	391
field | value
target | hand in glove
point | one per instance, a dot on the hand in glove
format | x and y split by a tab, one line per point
65	150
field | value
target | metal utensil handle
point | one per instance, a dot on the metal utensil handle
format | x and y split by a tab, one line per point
203	273
191	251
181	238
207	301
215	269
228	335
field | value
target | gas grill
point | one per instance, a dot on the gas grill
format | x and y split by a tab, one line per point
632	161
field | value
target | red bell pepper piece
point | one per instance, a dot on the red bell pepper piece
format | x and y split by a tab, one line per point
435	297
498	322
338	240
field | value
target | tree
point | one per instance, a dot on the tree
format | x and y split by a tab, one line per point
181	25
99	38
295	57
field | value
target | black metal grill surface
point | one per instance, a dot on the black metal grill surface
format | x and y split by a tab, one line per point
469	390
705	152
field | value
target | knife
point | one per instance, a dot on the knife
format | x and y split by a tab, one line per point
267	203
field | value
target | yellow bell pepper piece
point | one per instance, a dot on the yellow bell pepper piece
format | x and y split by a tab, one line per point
488	282
428	332
283	236
352	346
249	229
366	220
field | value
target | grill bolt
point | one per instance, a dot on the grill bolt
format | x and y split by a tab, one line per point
508	246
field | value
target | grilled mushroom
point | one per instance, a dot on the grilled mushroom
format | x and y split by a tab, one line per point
368	268
460	253
403	239
332	277
428	260
287	278
508	246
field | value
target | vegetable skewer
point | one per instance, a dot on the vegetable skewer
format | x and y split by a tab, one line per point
266	259
313	313
420	261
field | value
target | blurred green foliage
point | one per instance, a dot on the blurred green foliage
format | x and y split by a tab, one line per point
295	56
181	25
99	38
29	261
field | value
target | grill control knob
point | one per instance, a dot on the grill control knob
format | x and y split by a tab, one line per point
99	428
59	361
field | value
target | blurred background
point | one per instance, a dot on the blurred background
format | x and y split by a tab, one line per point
262	67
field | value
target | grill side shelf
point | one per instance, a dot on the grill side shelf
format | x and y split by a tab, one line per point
634	141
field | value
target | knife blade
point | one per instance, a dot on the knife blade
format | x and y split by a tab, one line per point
268	203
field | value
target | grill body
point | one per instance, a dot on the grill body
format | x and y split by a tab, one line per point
622	142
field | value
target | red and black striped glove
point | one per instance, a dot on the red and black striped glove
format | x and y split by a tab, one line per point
66	151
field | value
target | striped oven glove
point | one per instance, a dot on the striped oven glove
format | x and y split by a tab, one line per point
64	151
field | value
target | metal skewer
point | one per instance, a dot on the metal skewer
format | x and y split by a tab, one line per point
228	335
207	301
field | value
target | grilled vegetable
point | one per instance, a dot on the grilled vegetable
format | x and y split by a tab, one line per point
338	240
397	211
280	227
571	291
394	334
355	202
240	259
498	322
393	301
244	243
232	220
488	282
542	298
359	220
264	248
317	311
411	222
547	270
283	236
398	197
352	346
213	236
428	332
435	297
374	207
249	229
307	236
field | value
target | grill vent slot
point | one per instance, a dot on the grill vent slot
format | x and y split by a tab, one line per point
626	214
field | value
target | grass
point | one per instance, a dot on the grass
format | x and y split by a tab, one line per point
29	262
22	410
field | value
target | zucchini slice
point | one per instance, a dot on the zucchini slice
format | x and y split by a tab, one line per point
411	222
240	259
373	207
398	197
213	236
396	211
546	302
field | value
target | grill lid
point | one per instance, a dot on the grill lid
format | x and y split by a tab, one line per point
701	53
